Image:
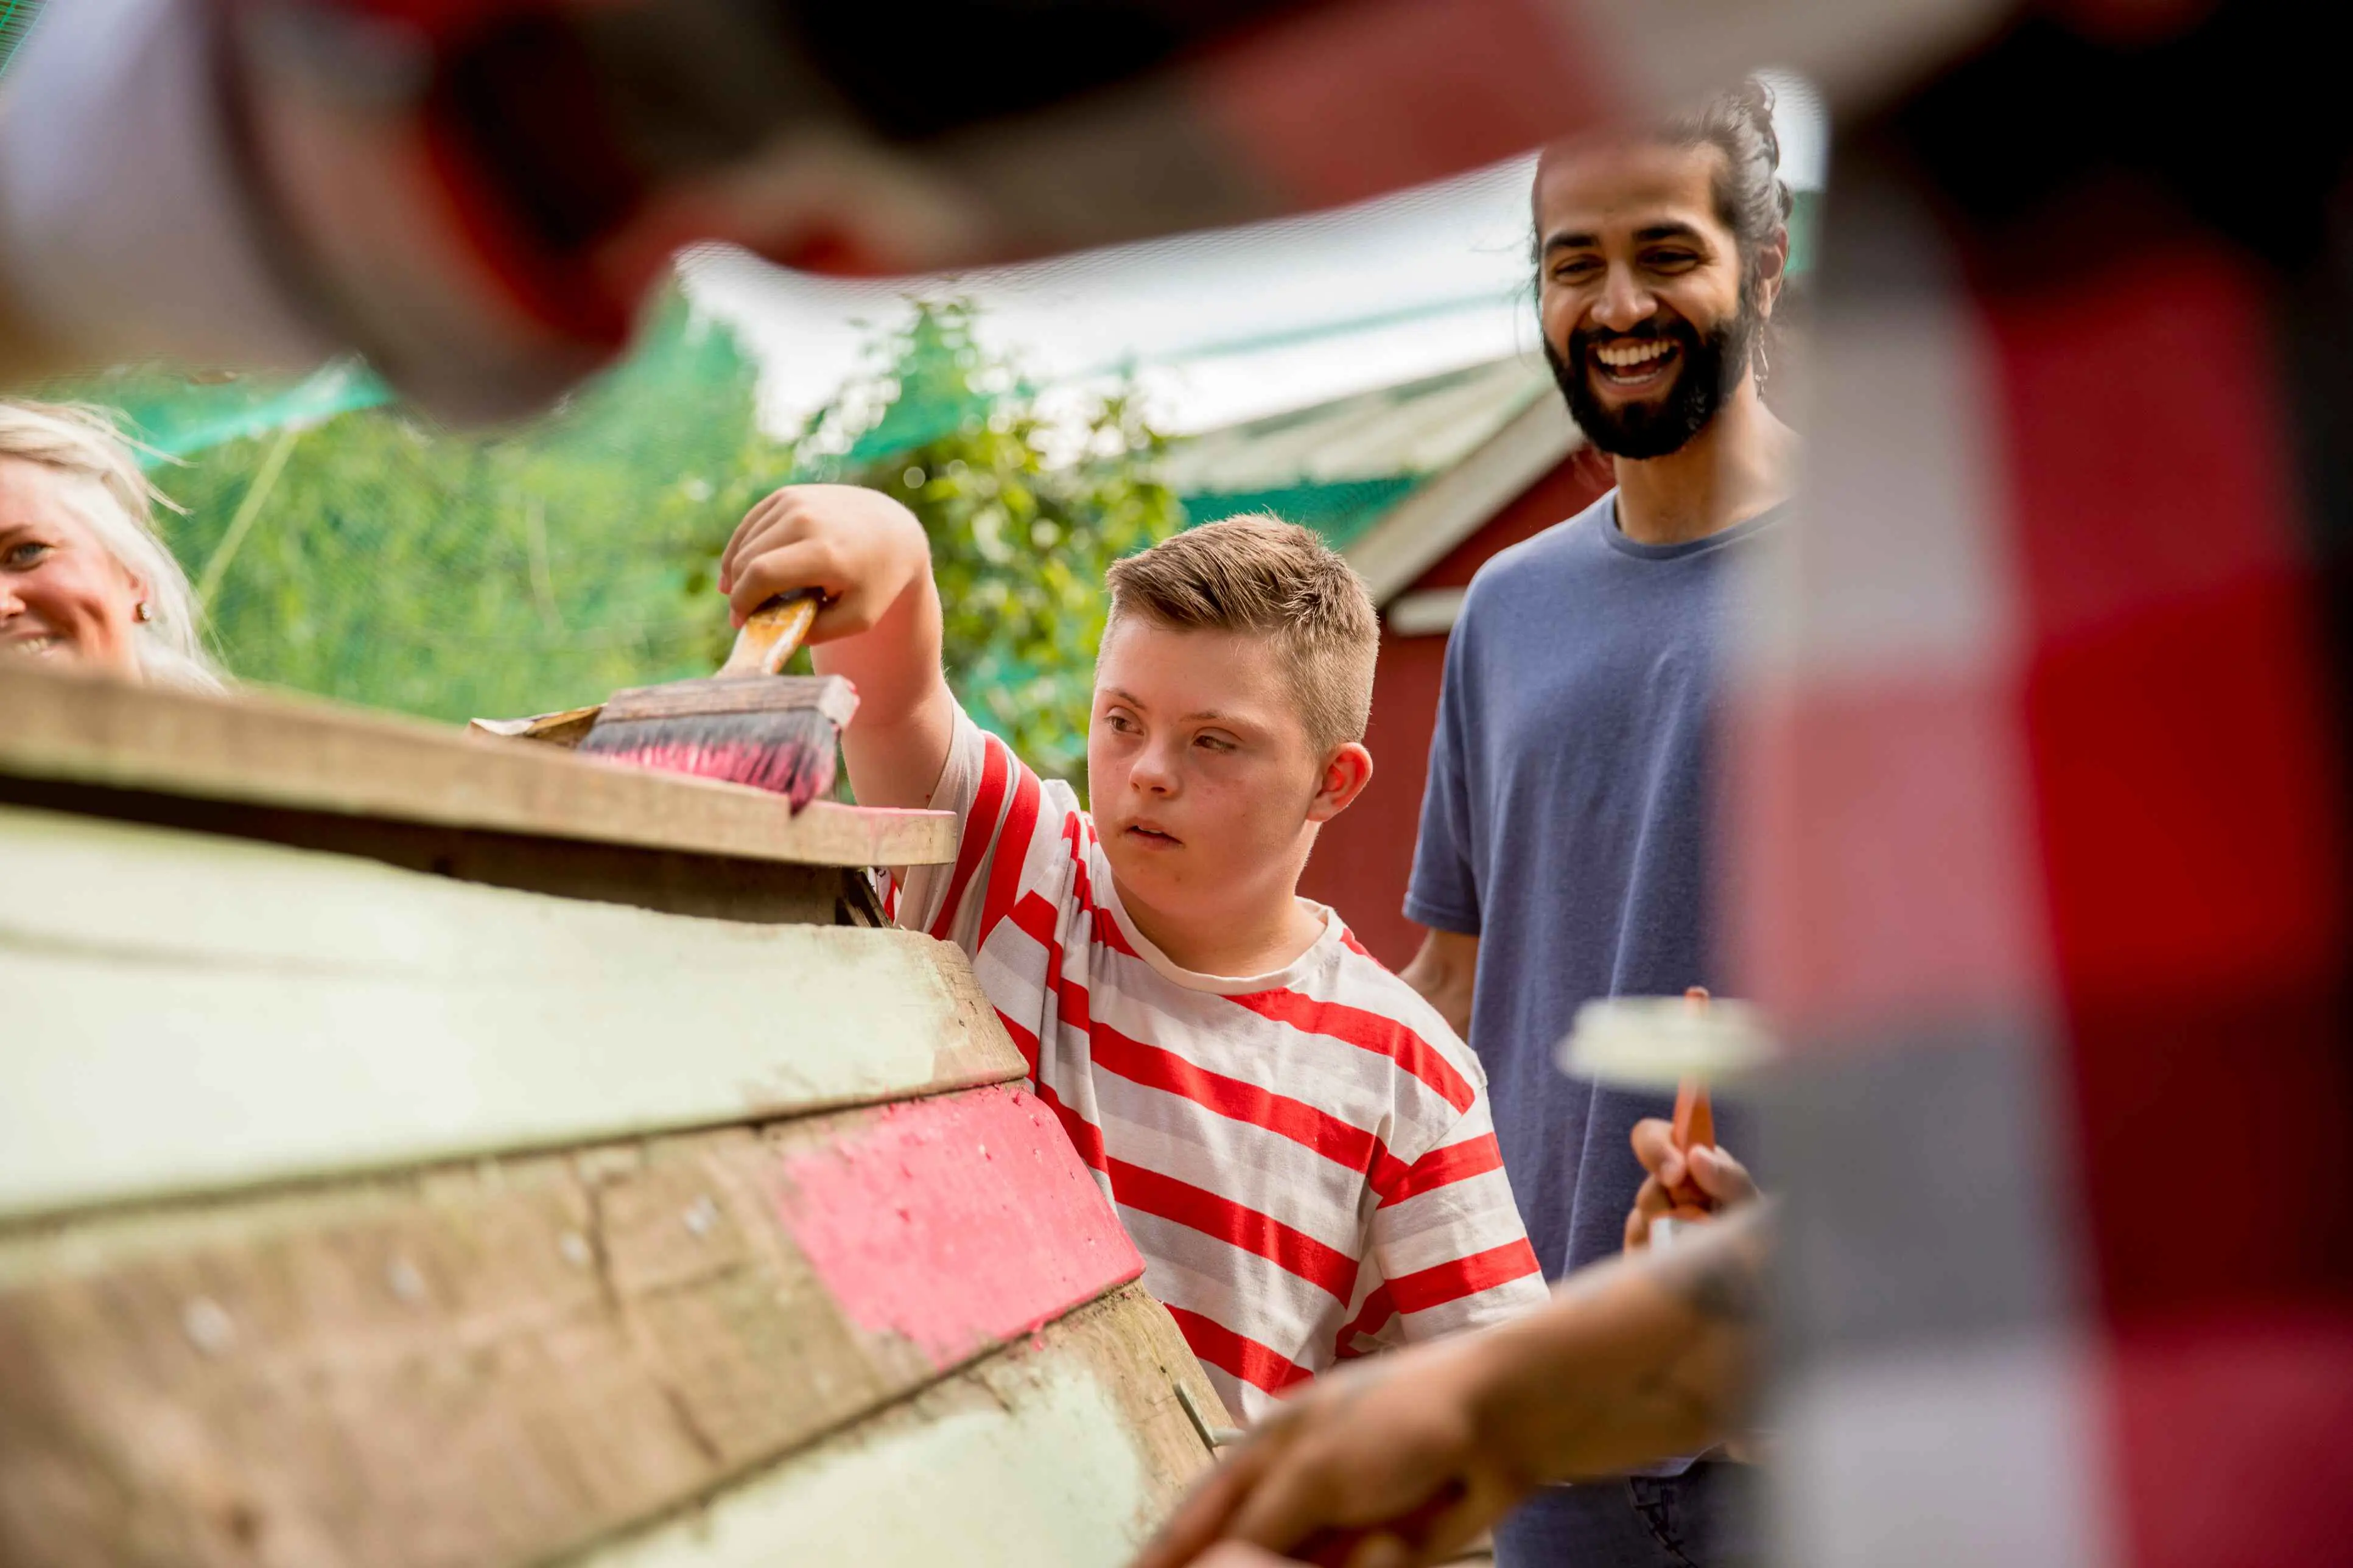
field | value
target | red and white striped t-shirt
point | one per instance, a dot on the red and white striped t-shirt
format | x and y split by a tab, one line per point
1304	1159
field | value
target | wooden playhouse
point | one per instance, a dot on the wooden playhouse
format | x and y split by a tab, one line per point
426	1149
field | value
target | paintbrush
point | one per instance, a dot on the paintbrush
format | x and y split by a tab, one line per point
1693	1127
745	725
1659	1042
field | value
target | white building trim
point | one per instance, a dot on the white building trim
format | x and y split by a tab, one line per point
1429	612
1450	507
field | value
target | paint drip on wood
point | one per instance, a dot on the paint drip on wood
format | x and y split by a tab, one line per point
956	1222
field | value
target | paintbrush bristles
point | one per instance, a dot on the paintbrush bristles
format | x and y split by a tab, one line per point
791	755
773	732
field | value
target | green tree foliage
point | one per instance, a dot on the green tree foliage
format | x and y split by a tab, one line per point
376	559
1024	517
379	560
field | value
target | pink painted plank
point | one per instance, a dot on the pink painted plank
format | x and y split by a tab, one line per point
501	1363
956	1223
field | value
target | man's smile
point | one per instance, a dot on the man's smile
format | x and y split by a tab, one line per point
1636	364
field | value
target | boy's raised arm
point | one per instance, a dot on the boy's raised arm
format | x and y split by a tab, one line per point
879	625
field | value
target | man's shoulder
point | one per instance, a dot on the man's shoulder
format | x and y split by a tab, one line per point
1543	563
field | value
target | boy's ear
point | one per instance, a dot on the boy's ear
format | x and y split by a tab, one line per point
1346	772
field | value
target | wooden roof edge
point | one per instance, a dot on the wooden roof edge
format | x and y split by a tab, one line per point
270	748
1298	445
1451	506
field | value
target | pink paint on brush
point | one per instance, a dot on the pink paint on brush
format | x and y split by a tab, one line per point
959	1222
802	774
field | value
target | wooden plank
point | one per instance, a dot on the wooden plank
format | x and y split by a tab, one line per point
722	887
1065	1451
496	1365
191	1012
315	756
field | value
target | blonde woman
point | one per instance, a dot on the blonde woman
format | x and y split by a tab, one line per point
82	575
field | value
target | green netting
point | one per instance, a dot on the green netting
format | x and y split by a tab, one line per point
1340	511
933	396
346	546
16	18
1805	232
178	419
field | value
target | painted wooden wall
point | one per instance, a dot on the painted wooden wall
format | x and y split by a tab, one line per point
354	1214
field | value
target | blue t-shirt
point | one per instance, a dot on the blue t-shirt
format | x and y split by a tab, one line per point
1568	824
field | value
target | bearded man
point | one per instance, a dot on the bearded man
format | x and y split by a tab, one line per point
1565	839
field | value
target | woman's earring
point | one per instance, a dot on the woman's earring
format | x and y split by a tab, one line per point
145	611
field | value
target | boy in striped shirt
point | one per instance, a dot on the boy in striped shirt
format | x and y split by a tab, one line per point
1298	1144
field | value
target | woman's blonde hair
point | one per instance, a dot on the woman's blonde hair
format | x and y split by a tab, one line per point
106	490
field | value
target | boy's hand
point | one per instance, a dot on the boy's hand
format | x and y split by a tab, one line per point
868	555
859	547
1723	1181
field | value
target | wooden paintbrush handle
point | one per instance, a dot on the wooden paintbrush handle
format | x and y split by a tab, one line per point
771	633
1694	1122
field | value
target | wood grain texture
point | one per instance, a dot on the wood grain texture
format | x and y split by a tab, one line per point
1063	1452
498	1364
186	1013
719	887
276	750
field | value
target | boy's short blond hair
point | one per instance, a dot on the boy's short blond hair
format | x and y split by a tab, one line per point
1258	574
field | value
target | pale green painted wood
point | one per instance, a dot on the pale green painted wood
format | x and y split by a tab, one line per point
1063	1454
1052	1481
181	1012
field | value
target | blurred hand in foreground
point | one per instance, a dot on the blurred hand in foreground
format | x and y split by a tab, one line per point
1394	1442
1402	1461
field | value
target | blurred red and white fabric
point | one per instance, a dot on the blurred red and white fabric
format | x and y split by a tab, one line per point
2043	812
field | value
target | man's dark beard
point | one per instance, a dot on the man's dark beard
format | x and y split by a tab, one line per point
1712	366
